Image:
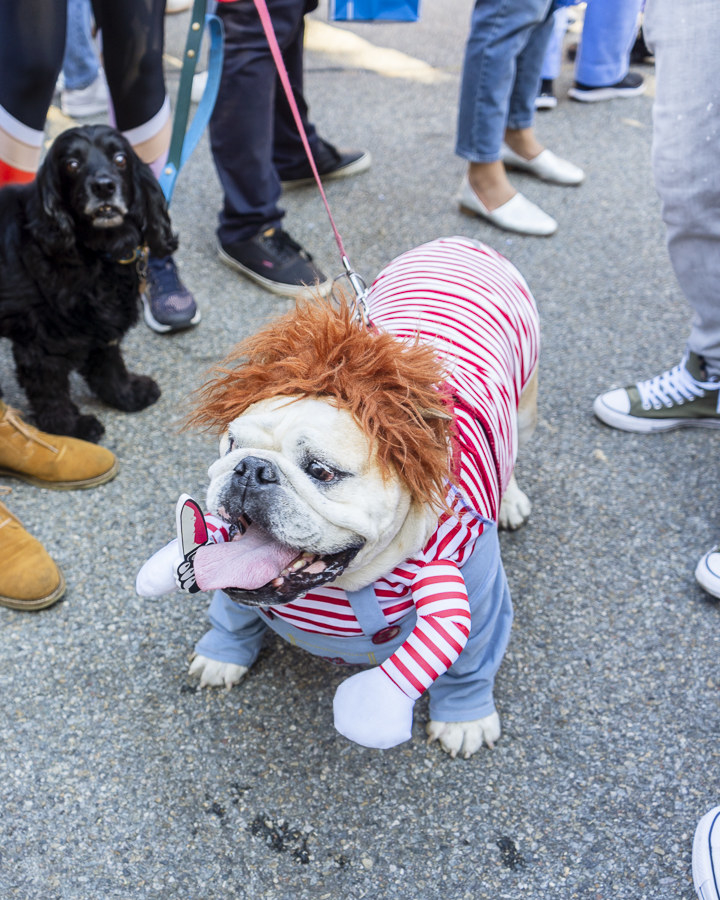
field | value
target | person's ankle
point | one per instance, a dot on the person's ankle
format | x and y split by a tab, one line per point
490	183
523	142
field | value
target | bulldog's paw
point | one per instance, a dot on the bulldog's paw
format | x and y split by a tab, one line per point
216	674
465	738
515	507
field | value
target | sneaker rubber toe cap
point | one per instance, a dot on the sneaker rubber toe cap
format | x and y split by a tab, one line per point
615	402
706	856
707	572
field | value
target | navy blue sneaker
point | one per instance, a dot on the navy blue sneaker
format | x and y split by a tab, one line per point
275	261
168	305
331	164
630	86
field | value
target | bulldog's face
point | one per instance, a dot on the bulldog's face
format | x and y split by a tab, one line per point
299	480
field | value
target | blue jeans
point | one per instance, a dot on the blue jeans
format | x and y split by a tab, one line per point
686	147
609	31
552	63
501	73
80	63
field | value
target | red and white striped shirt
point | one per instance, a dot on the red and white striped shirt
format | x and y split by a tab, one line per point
475	308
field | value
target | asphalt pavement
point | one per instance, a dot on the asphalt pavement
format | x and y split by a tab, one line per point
119	779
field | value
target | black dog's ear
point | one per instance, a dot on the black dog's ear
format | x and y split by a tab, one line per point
156	229
54	227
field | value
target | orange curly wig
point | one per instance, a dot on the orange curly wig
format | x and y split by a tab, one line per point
393	389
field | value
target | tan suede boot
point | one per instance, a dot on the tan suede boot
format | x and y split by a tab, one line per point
29	579
50	461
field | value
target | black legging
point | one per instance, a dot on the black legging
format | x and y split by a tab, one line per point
32	45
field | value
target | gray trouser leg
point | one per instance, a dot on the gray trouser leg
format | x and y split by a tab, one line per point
686	155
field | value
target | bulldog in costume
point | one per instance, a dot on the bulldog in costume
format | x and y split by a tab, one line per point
363	473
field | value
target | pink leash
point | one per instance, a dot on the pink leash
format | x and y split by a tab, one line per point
356	281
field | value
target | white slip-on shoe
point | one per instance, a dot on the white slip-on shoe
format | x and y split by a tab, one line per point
707	573
518	214
706	856
546	165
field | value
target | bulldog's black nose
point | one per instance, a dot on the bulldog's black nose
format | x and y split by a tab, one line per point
253	470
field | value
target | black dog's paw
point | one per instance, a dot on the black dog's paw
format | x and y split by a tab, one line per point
88	428
138	392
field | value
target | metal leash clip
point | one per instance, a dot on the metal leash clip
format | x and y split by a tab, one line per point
357	282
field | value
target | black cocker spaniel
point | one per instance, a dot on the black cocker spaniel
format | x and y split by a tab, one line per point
73	245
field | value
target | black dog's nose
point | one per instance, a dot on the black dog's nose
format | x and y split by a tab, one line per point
253	470
103	187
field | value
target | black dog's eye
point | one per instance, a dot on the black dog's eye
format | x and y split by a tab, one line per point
72	166
319	472
120	160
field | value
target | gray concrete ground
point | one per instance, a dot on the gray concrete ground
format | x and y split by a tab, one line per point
119	779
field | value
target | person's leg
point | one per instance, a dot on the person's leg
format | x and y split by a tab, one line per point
687	176
80	64
32	42
528	67
141	110
609	31
499	34
133	37
552	60
241	127
289	156
686	146
84	92
250	237
287	145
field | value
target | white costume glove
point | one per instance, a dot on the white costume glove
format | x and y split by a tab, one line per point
158	575
372	711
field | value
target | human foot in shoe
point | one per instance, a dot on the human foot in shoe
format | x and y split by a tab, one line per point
168	305
523	151
29	579
48	460
331	165
681	397
706	856
276	262
707	572
487	193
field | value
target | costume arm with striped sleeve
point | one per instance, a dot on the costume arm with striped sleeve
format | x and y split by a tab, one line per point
374	708
442	630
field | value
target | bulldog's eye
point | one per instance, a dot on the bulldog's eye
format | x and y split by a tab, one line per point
72	166
319	472
231	444
120	160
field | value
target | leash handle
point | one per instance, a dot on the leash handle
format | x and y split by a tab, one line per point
184	140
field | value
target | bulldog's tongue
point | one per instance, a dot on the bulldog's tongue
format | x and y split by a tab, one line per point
246	563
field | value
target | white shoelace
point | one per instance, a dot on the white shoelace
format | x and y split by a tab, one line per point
674	386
